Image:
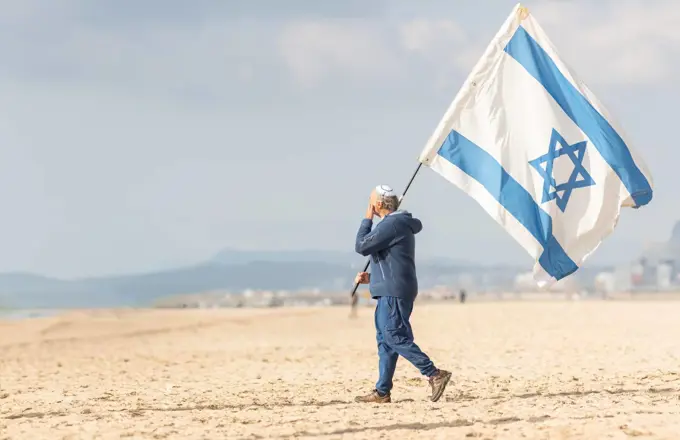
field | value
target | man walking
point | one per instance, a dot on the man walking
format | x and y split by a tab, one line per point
393	282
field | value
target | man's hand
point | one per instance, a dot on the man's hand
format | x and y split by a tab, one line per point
362	278
370	211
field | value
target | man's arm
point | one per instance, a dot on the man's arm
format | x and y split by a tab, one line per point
369	242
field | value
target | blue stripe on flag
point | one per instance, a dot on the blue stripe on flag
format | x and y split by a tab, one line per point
482	167
526	51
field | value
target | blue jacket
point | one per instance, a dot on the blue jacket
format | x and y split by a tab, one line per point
392	247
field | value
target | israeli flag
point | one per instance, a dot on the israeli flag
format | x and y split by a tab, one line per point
528	140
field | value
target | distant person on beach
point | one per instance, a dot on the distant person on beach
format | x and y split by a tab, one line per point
392	281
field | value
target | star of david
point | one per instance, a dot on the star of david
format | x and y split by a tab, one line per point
551	189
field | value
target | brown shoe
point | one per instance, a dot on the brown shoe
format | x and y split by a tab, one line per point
374	397
438	383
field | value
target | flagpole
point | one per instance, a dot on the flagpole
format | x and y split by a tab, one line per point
368	262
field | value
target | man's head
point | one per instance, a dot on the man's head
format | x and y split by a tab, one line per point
384	200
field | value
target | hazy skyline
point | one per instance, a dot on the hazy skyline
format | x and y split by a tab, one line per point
146	135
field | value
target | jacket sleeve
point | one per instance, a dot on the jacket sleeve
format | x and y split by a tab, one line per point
369	242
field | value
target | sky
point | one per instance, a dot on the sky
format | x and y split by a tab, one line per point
140	136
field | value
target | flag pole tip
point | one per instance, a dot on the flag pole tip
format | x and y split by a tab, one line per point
522	11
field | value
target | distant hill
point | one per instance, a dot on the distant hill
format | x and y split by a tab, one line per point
229	270
234	256
235	271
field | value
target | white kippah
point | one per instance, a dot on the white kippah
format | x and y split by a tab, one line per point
384	190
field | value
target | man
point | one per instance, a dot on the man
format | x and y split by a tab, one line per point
392	281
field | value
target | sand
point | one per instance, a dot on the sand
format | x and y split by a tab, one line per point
592	370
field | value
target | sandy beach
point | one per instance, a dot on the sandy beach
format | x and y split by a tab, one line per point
531	370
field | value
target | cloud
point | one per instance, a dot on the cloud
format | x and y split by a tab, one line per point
431	37
617	43
208	59
199	54
315	49
624	42
443	47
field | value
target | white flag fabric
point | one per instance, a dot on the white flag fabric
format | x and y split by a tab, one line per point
528	140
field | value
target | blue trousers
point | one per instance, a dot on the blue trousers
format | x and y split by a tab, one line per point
395	338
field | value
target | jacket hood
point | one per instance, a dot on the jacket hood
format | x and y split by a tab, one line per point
405	219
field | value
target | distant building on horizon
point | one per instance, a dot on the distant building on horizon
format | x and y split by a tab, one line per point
656	269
